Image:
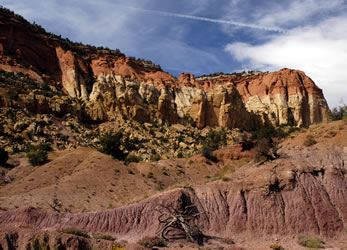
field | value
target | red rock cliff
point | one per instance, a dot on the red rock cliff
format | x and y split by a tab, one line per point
111	83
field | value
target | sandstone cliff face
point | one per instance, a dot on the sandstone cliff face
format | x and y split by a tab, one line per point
281	98
72	80
287	97
110	83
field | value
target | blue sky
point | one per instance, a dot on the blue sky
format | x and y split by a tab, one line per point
207	36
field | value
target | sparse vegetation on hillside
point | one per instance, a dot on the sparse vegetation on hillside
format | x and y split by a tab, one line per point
310	242
150	242
149	175
111	145
214	140
103	236
39	243
23	83
276	246
339	113
132	158
38	154
74	231
309	141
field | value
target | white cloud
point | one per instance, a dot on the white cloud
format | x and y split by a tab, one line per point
295	12
319	50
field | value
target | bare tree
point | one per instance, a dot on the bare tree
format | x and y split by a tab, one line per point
181	222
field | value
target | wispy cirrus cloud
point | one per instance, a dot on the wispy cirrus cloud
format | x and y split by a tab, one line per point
212	20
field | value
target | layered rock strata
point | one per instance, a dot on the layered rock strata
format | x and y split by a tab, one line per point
302	194
111	83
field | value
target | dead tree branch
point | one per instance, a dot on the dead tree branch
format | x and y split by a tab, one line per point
181	221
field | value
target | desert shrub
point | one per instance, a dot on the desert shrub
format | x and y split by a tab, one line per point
44	147
3	156
38	154
208	153
216	138
213	141
293	129
132	158
149	175
74	231
180	155
339	113
225	178
331	134
309	141
276	246
130	144
40	244
164	139
150	242
103	236
311	242
111	144
263	133
155	157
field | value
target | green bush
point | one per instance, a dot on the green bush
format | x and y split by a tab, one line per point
213	141
3	156
263	133
150	175
155	157
40	244
43	147
37	158
111	144
38	154
130	144
208	153
216	139
311	242
132	158
339	113
276	246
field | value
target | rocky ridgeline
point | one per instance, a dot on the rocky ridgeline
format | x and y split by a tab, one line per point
110	84
33	113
